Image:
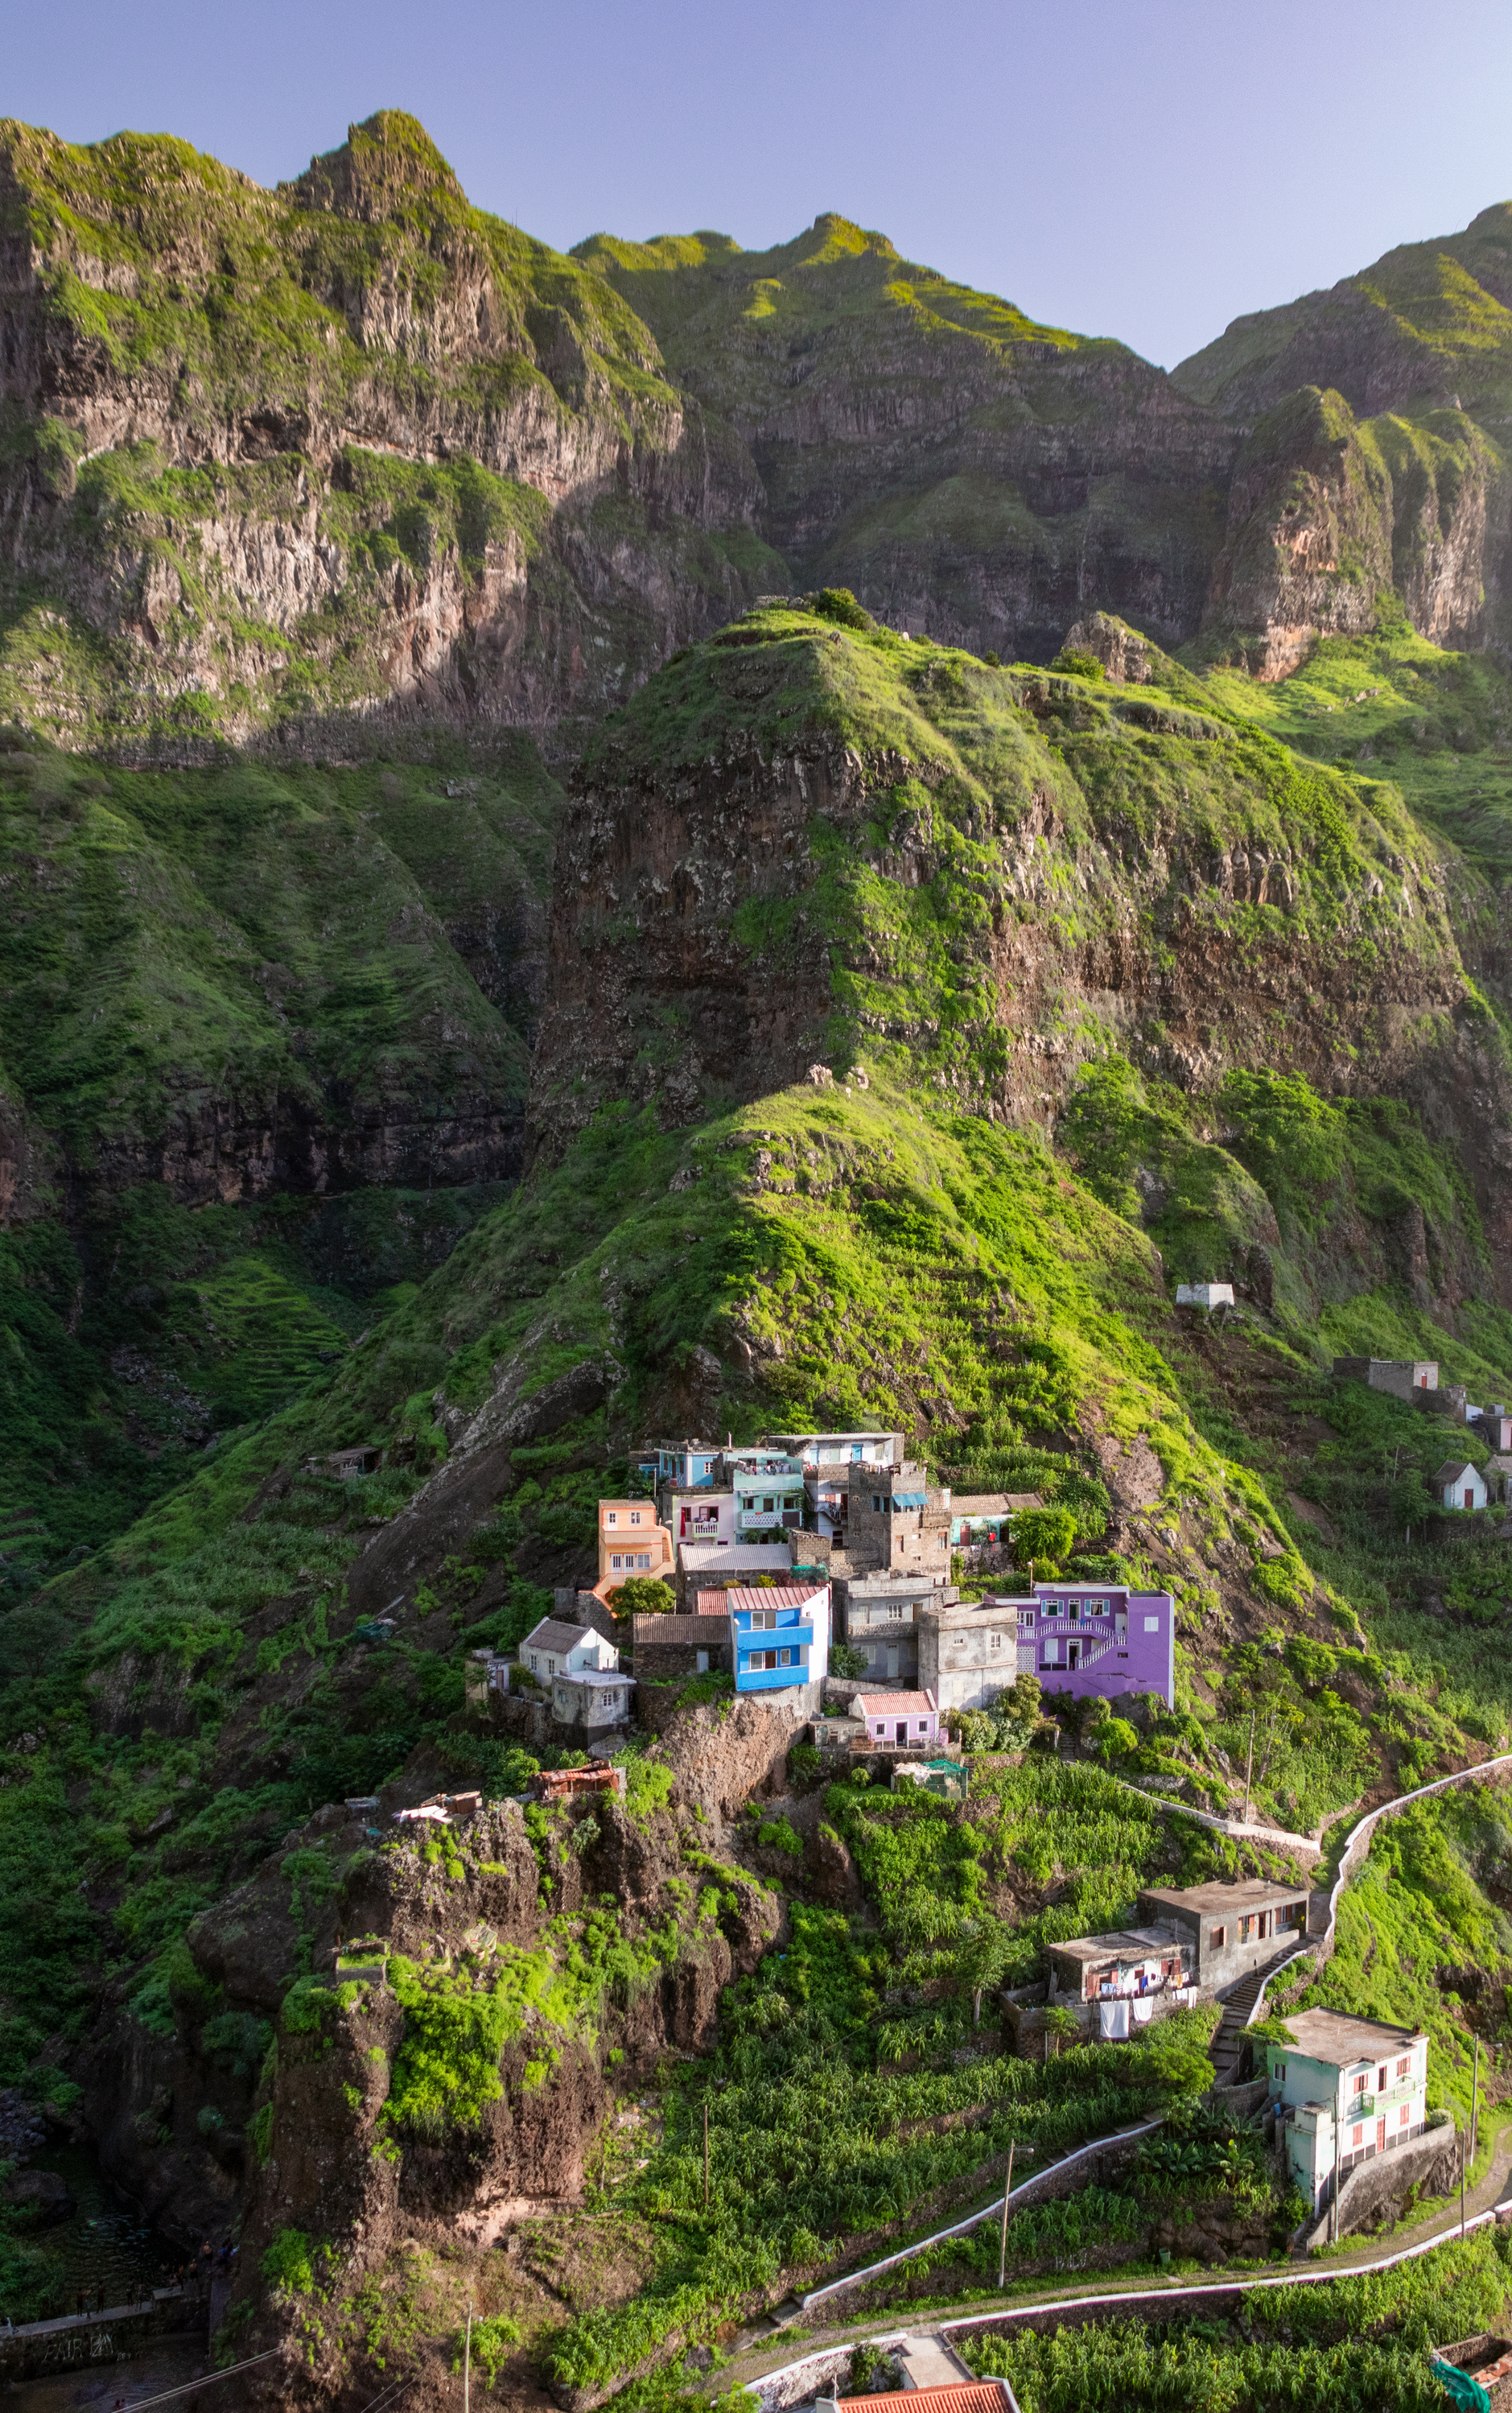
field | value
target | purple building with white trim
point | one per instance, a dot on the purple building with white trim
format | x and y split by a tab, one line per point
1077	1639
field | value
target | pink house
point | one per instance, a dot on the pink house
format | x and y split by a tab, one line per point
894	1718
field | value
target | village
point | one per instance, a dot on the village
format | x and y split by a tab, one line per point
829	1573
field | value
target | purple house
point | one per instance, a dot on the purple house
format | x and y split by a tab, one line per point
1085	1639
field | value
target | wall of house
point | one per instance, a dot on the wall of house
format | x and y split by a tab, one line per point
967	1656
1220	1965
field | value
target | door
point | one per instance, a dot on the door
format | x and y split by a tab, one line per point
902	1730
1470	1497
1380	2135
1074	1656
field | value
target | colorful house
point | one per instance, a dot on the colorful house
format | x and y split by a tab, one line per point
632	1541
1459	1485
827	1459
1077	1638
983	1520
689	1464
779	1638
705	1516
1346	2090
900	1720
767	1490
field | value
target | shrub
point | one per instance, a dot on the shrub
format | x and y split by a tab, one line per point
846	1661
288	2262
1045	1536
1071	663
643	1596
838	603
779	1835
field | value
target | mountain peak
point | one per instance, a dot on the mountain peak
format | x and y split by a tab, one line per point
386	167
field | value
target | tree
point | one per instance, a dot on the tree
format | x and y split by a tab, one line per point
988	1951
1045	1536
846	1661
642	1596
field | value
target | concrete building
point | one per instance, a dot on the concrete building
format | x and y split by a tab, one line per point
1132	1963
780	1639
767	1490
1345	2087
1077	1638
904	1719
552	1649
1228	1930
688	1464
1205	1294
826	1458
1499	1476
705	1517
1402	1376
596	1699
880	1615
703	1564
1495	1425
1459	1485
631	1541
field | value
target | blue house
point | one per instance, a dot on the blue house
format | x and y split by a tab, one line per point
779	1638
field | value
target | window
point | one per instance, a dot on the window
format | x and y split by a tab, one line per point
1279	2072
1356	2135
1152	1625
534	1664
994	1641
1360	2082
1218	1936
550	1667
923	1725
1403	2115
635	1515
616	1561
1404	2067
611	1517
1380	2083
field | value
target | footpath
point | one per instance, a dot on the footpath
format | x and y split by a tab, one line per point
772	2373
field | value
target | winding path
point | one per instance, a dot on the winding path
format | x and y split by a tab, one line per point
1486	2197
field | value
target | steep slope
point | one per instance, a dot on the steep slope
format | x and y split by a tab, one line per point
968	472
274	455
1374	456
265	1046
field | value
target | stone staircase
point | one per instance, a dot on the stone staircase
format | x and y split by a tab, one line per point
1239	2006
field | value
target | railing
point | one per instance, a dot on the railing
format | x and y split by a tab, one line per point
771	1680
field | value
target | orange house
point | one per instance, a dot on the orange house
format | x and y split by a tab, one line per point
632	1543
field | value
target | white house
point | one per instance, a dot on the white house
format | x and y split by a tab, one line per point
1352	2086
1204	1294
551	1649
595	1699
1459	1485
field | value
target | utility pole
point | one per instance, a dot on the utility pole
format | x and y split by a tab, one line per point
1003	2240
1249	1767
1474	2102
706	2153
1461	2182
467	2363
1335	2208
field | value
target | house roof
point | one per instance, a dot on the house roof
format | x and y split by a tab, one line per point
1213	1900
1453	1468
993	1504
771	1596
550	1635
1108	1947
1336	2039
968	2396
716	1558
1500	1462
592	1676
716	1602
894	1704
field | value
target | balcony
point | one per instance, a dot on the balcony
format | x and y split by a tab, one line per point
771	1680
774	1637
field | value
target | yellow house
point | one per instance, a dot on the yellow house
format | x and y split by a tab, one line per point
631	1542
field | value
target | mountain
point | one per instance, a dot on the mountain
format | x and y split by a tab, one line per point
276	456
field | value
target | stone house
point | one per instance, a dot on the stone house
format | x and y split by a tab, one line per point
1230	1931
1495	1425
1498	1474
1459	1485
880	1615
901	1719
1346	2090
897	1522
1402	1376
981	1522
1205	1294
666	1648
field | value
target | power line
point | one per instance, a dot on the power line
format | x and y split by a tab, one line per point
209	2380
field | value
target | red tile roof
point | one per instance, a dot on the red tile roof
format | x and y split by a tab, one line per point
771	1596
968	2396
893	1705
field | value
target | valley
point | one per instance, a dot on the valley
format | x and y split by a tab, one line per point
670	848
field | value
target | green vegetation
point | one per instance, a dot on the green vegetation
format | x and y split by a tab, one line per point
1349	2343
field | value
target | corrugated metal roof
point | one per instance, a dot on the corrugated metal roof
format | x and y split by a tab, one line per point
772	1596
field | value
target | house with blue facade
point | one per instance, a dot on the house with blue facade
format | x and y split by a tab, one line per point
780	1638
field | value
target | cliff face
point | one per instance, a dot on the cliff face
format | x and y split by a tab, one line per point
972	474
774	856
353	441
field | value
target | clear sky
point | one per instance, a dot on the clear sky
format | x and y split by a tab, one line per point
1146	171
